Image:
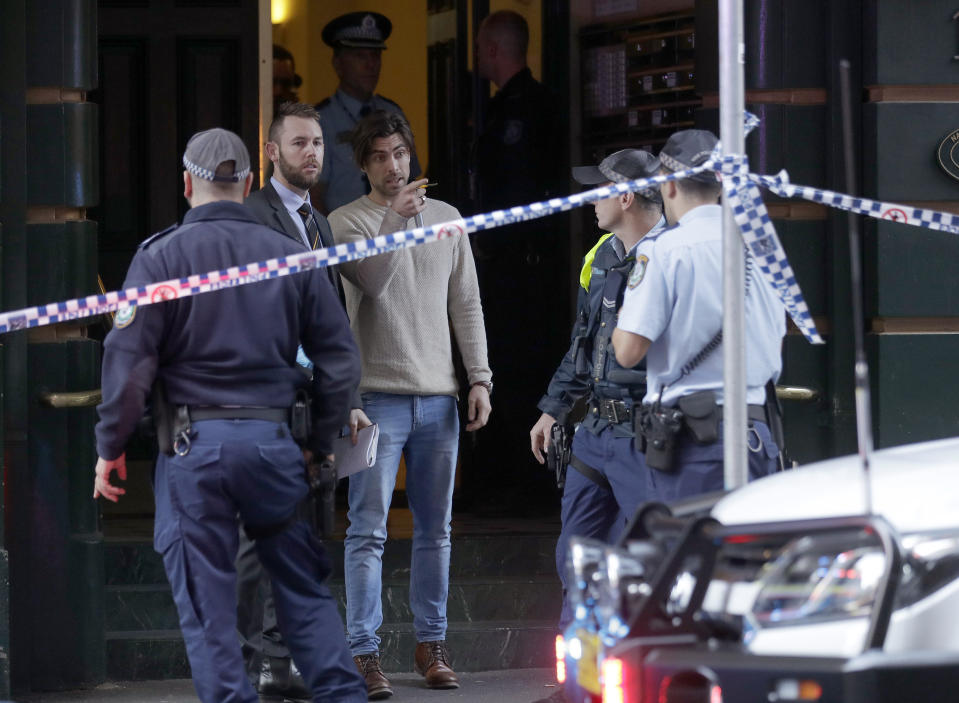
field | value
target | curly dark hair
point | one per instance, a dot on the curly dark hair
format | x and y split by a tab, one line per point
377	125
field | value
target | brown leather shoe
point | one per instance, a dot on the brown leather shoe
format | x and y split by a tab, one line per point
432	660
377	685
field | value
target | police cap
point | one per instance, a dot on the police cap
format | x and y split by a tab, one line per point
358	30
687	149
207	150
620	167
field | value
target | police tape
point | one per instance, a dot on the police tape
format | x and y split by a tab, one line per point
739	185
197	284
894	212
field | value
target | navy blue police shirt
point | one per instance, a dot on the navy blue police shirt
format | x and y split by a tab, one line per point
234	347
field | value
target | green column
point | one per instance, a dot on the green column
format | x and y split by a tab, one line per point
12	295
49	178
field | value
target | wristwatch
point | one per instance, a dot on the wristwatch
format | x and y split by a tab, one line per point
488	385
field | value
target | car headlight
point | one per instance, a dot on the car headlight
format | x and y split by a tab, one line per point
836	576
819	578
582	563
622	584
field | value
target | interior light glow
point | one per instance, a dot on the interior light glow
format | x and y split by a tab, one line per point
279	11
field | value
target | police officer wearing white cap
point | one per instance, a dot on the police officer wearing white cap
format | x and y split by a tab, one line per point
358	40
672	317
227	361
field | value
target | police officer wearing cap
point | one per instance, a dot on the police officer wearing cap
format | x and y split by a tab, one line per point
358	40
227	362
608	477
672	318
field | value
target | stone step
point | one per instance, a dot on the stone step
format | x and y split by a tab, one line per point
478	646
130	608
504	556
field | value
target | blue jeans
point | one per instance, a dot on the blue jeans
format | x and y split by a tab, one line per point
253	469
424	429
591	510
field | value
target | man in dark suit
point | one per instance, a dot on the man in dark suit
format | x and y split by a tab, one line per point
283	203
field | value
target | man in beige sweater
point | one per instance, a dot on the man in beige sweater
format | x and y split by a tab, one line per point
401	306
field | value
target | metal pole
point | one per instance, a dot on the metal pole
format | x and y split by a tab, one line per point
731	108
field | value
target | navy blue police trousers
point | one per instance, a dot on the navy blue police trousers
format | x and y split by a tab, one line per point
699	467
249	472
592	510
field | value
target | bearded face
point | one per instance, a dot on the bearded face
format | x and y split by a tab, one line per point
298	156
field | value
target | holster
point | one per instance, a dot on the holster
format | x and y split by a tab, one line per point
163	416
774	419
321	477
701	416
558	451
659	427
301	420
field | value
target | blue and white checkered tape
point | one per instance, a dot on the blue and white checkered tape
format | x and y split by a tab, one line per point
739	185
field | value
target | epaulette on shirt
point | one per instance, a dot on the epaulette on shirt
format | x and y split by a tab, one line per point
656	235
162	233
384	99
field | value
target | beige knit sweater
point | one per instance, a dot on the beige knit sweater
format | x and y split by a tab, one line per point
402	304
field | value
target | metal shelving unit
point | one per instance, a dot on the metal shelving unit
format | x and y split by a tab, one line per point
639	82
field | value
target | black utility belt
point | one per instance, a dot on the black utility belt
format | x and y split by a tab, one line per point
613	411
219	412
698	414
756	413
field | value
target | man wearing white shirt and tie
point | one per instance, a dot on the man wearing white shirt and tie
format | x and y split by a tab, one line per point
283	203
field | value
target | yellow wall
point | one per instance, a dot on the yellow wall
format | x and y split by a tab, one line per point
403	78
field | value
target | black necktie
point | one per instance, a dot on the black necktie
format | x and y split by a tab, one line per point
313	235
309	222
365	110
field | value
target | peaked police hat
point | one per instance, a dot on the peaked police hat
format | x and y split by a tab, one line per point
621	167
358	30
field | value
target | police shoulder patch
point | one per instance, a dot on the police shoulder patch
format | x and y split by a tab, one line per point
639	271
124	317
659	232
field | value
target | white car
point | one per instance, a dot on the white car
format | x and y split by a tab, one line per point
788	591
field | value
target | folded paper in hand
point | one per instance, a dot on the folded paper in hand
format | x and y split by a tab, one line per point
351	459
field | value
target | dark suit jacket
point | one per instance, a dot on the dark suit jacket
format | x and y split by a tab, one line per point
270	210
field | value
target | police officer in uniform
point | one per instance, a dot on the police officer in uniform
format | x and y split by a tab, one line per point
518	158
672	317
607	480
227	362
358	40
